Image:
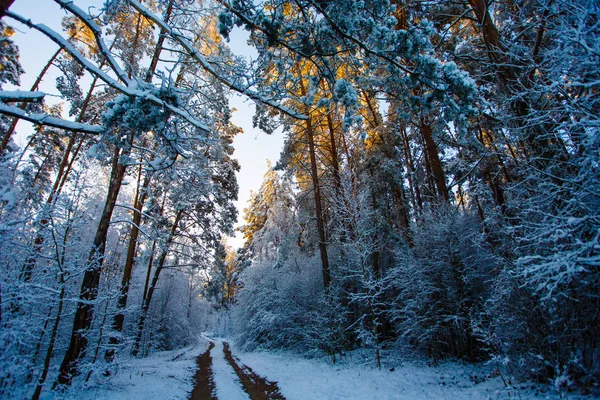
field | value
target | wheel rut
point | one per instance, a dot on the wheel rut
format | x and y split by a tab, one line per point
257	387
254	385
204	388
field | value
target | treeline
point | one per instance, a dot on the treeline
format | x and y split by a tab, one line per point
441	193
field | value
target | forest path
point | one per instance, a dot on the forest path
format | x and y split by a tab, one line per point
220	376
204	386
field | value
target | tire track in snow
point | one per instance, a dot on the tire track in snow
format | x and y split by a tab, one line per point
256	386
228	386
205	387
219	376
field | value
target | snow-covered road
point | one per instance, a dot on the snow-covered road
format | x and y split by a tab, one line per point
222	374
228	385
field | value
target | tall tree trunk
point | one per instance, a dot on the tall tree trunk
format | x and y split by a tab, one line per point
50	350
515	79
412	174
149	271
151	258
491	36
316	191
119	318
152	288
335	164
91	278
348	225
159	46
437	172
318	205
399	204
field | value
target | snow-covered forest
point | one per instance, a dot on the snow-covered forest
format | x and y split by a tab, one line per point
437	197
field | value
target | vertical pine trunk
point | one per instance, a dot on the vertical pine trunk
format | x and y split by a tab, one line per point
309	129
400	204
437	172
349	226
514	78
159	46
318	205
152	288
491	36
412	174
91	278
335	164
119	318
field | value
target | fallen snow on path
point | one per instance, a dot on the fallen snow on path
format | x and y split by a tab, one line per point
169	376
316	379
227	384
166	376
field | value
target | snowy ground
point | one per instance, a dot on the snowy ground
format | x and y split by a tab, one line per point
316	379
226	381
165	376
169	376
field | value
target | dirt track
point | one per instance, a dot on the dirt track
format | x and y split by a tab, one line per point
204	388
257	387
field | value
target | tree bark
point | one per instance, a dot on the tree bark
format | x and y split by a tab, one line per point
491	36
514	78
4	5
309	129
50	350
119	318
437	172
152	288
159	46
91	279
412	173
349	226
318	205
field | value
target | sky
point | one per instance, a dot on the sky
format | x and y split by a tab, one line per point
252	148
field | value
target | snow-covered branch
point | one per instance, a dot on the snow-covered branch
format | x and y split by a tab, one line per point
97	31
10	96
45	119
189	47
93	69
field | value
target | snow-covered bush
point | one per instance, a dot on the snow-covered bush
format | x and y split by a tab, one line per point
442	286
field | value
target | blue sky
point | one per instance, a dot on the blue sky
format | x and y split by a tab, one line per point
252	148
